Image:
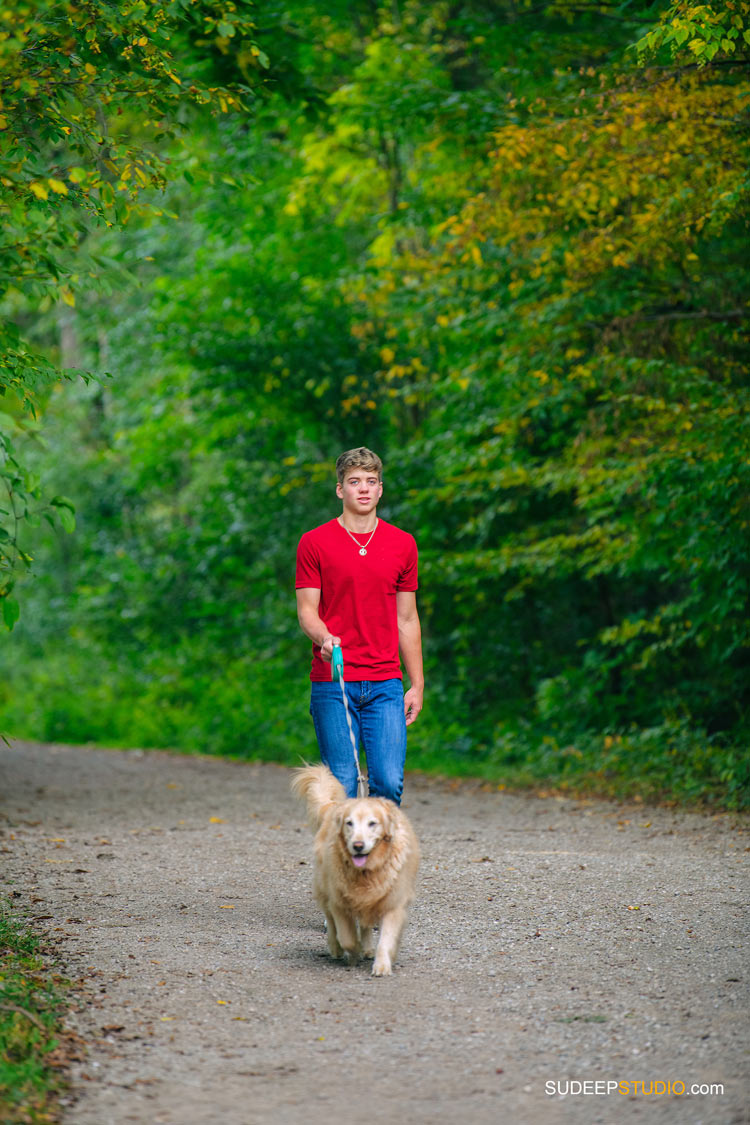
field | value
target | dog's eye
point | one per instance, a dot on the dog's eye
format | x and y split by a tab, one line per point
372	824
349	823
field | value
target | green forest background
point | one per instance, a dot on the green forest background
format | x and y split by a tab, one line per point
505	244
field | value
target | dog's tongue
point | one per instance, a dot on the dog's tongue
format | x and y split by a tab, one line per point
359	860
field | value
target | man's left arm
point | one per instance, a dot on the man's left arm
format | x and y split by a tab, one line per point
410	646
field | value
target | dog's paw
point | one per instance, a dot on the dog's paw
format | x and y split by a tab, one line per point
351	957
334	948
382	967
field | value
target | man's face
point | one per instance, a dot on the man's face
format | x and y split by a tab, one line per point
361	489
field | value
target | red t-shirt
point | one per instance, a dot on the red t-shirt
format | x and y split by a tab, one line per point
358	594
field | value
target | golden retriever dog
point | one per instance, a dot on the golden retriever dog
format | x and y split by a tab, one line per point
366	860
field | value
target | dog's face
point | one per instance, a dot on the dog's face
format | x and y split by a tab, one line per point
364	825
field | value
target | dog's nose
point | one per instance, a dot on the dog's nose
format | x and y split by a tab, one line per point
358	845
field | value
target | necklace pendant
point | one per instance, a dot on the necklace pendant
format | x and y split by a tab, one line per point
363	550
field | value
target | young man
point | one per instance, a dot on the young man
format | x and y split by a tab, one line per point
356	586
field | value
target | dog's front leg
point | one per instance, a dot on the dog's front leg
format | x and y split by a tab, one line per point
346	934
333	942
391	928
365	940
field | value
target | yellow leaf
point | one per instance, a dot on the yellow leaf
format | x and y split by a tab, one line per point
216	820
174	77
68	296
39	191
227	906
90	69
58	187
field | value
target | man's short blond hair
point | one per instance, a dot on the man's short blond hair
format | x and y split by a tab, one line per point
359	458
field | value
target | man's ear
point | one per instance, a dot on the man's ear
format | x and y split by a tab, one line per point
339	491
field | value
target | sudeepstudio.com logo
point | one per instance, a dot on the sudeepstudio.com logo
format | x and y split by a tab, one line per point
656	1088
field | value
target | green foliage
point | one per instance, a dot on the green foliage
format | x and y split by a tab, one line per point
30	1009
91	93
481	241
672	761
700	33
191	697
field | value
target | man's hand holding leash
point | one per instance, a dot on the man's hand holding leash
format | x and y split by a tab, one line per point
326	649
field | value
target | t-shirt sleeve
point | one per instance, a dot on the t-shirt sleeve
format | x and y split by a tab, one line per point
407	579
308	565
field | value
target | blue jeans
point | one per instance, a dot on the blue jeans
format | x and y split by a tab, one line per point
377	713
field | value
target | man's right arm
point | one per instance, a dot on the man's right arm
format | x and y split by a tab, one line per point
308	604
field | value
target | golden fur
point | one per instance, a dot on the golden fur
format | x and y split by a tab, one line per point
366	860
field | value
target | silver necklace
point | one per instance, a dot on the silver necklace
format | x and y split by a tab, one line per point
362	548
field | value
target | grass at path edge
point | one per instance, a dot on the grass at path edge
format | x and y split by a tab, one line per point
32	1005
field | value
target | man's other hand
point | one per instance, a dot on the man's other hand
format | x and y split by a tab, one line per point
412	705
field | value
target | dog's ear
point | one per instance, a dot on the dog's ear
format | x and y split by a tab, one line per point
339	816
389	824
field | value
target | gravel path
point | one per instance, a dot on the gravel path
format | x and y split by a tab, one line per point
553	943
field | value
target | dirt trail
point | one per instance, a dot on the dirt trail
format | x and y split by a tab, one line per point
552	941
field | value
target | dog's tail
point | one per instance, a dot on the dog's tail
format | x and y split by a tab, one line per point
319	788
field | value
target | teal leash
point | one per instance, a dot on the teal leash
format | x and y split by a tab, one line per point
337	673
